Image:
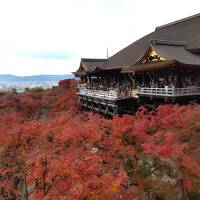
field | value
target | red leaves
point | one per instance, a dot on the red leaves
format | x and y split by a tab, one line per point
148	148
164	150
68	84
67	102
187	184
64	155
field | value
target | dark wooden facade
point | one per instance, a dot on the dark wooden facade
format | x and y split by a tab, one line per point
155	69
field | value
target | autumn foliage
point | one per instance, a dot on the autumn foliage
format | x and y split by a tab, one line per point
50	150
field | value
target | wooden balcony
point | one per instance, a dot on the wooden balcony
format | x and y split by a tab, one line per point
114	94
109	94
169	92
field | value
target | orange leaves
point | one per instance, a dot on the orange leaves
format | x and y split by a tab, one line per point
69	84
65	155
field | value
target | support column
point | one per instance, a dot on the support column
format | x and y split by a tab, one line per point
90	78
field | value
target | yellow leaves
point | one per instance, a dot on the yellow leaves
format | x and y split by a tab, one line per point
1	151
115	186
64	198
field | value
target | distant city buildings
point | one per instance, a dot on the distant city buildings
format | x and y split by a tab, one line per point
21	87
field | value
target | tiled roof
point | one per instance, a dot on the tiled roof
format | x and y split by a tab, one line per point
184	36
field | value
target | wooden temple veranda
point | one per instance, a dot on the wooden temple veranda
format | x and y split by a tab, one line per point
162	67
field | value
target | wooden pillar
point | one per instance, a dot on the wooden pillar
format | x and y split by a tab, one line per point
99	105
173	75
81	79
86	79
178	79
172	78
156	79
143	79
167	81
90	78
106	111
183	80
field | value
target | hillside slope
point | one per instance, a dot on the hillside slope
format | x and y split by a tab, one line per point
50	150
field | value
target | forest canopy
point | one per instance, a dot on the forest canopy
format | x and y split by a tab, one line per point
49	149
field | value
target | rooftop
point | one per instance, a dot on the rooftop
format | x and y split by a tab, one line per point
179	40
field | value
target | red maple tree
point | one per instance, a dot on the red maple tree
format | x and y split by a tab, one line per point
50	150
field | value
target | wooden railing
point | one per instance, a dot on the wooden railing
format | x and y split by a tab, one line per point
114	94
109	94
189	91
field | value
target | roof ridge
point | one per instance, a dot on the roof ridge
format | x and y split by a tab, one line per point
168	42
93	58
178	21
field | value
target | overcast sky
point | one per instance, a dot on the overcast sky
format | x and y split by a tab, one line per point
50	36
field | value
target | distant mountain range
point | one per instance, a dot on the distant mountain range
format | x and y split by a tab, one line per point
36	78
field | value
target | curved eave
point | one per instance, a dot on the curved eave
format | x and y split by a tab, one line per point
186	65
79	73
95	70
98	70
85	72
156	65
159	65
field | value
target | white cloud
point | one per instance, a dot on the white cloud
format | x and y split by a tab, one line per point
78	28
21	65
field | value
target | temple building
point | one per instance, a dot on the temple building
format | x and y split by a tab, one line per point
162	67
